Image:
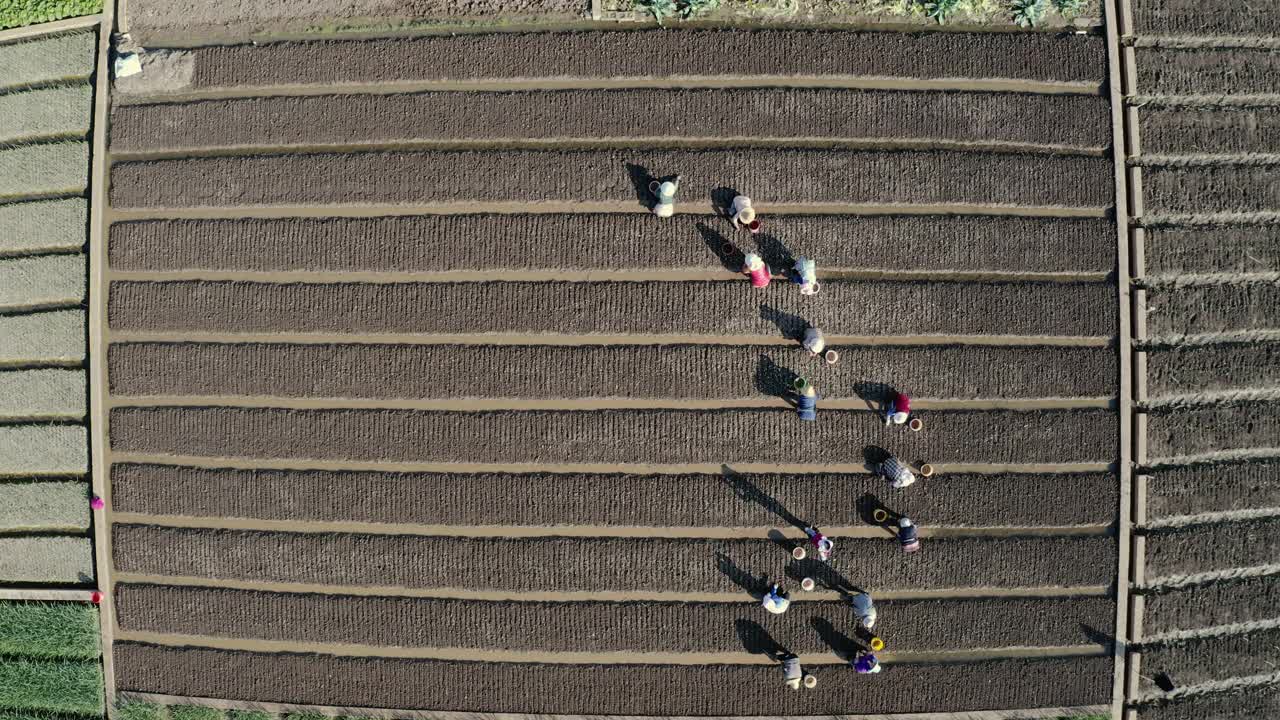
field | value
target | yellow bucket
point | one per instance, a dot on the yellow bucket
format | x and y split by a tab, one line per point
877	644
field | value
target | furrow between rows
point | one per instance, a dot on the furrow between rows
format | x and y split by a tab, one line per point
702	308
601	564
612	242
676	627
666	371
639	436
730	499
918	177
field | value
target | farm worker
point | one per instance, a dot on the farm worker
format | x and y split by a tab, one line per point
776	600
665	192
743	213
898	410
791	670
807	403
821	543
865	607
897	472
908	535
866	664
759	272
807	276
814	341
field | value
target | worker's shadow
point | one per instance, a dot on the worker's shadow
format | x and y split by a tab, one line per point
756	640
775	253
824	576
746	490
873	455
845	647
868	504
791	326
750	583
722	200
640	180
721	247
774	380
875	394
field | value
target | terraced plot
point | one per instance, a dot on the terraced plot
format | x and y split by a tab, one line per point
1198	489
1229	248
1242	426
1214	658
1210	548
1189	370
1223	603
1236	130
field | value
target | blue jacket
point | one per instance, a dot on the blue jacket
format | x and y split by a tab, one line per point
807	407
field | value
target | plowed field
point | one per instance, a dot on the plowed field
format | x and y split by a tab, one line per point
1206	71
605	689
1211	189
615	242
750	500
399	178
596	564
1076	121
601	627
665	371
1227	131
1222	603
1213	488
1253	703
1204	17
1208	659
608	436
1193	369
722	308
1242	426
1207	548
665	54
1217	249
1211	309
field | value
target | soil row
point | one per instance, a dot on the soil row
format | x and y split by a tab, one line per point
1222	248
43	113
1213	309
730	499
720	308
1253	703
1204	17
655	53
612	436
1226	130
568	564
1210	189
1206	71
1243	426
1067	120
1209	548
399	178
1224	603
1208	368
1212	659
62	57
667	371
614	242
605	689
813	627
1213	488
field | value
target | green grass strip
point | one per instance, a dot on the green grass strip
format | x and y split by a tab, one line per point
19	13
49	631
58	686
134	710
194	712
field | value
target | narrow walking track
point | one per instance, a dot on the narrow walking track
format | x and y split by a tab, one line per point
448	383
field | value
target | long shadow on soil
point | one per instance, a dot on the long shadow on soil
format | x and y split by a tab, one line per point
873	455
775	253
747	491
755	586
791	326
842	645
730	256
722	198
867	506
756	640
875	394
824	576
773	379
640	179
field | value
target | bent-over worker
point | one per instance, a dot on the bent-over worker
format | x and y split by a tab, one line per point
897	472
777	600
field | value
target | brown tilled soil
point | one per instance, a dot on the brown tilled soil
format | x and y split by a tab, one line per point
1210	189
1204	17
1077	121
1212	659
1213	488
614	242
599	564
1251	704
1167	131
892	177
1210	548
665	371
608	689
612	436
1193	369
810	627
728	500
1206	71
714	308
1243	248
1215	308
1243	426
658	54
1222	603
